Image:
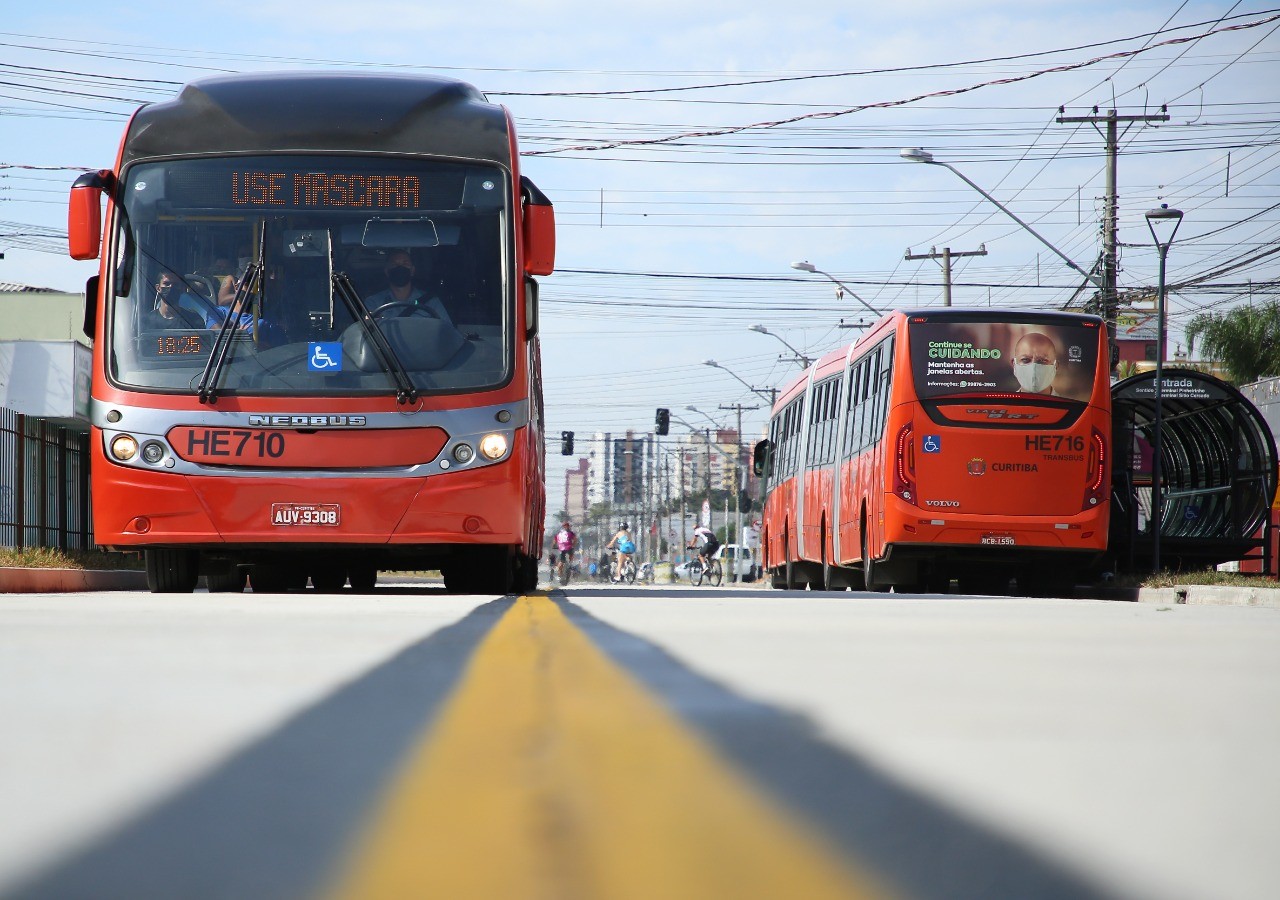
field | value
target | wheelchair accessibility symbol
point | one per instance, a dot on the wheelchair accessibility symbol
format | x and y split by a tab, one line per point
932	444
325	356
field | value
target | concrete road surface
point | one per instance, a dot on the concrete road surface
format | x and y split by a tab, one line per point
611	742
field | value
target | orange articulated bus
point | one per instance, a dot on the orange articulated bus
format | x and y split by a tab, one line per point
967	444
315	335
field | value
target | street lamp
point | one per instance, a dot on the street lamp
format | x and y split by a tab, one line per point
805	266
1162	216
799	357
719	427
763	394
916	154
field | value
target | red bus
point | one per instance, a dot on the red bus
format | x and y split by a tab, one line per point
967	444
315	335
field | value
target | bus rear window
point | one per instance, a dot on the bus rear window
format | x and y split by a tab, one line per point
955	358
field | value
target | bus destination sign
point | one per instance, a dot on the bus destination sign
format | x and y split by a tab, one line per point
344	190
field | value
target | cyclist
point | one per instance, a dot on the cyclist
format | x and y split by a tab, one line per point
625	545
707	543
566	541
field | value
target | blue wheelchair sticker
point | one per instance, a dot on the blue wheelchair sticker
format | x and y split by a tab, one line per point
932	443
325	356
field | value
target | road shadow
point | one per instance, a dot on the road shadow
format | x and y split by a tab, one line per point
916	844
274	820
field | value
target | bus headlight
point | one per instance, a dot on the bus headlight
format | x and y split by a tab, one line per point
124	447
493	446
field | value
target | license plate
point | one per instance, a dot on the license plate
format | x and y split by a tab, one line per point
999	540
306	514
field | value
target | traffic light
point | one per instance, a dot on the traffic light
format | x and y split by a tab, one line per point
663	420
566	443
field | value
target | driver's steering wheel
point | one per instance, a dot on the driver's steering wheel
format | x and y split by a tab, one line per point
403	304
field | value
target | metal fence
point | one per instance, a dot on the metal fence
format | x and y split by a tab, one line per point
44	484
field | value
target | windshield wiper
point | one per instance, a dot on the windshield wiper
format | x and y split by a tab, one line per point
206	389
405	391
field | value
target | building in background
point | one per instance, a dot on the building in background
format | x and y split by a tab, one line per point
576	501
45	368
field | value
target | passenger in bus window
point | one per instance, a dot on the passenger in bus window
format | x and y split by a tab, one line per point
400	269
1035	363
228	286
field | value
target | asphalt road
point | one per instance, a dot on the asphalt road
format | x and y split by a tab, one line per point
646	742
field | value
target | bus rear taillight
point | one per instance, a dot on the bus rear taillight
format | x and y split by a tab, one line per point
904	465
1095	486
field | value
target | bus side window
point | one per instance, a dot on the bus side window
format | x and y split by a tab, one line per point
851	415
882	389
877	397
860	431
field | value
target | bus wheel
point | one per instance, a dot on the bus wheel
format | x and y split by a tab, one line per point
869	570
327	579
362	578
171	571
269	579
526	573
231	581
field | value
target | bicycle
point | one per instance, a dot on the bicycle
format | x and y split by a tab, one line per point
627	573
712	573
564	572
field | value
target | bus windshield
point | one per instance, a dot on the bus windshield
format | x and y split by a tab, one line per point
951	358
272	249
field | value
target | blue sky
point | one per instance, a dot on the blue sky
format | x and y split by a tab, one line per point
736	209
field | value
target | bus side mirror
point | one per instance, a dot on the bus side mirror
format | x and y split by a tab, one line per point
539	231
762	458
84	214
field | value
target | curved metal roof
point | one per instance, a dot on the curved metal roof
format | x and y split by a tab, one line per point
1218	462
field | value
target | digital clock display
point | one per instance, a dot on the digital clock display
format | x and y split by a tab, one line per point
179	344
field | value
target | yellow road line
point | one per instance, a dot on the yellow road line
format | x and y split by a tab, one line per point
552	774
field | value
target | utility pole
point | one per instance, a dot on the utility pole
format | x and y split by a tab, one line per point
737	486
946	256
1109	300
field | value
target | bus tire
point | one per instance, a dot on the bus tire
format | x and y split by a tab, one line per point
362	578
329	578
171	571
231	581
265	578
869	576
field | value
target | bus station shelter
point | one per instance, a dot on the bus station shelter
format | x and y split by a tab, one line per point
1219	471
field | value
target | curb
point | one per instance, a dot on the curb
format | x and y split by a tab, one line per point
1211	595
57	581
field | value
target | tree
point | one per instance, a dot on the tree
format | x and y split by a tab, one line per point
1246	340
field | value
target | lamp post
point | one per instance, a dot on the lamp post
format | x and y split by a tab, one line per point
705	416
768	394
915	154
1160	216
805	266
799	357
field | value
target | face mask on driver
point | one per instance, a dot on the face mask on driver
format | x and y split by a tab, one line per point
399	276
1034	377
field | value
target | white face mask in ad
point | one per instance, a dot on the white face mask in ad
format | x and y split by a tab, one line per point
1034	377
